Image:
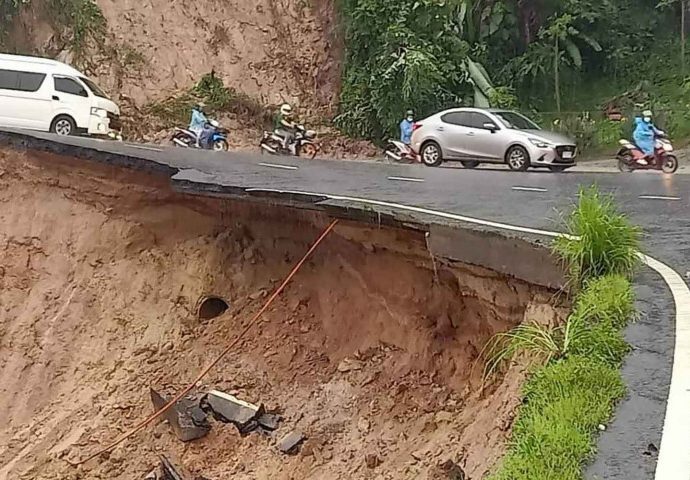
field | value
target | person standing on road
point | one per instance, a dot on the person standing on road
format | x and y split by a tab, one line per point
406	128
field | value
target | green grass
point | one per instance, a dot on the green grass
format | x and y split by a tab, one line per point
577	383
606	242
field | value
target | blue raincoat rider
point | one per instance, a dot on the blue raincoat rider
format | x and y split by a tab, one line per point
406	128
645	134
198	121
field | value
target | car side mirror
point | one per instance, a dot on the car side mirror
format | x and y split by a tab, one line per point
491	126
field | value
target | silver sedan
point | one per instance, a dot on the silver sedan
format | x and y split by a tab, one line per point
473	136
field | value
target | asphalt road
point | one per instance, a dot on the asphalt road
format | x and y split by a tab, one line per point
659	204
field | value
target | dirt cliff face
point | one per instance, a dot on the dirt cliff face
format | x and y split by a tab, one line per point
372	350
272	50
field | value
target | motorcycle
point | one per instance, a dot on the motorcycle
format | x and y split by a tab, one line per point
663	159
303	143
218	141
399	152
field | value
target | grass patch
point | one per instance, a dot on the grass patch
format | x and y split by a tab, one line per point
176	110
599	241
577	383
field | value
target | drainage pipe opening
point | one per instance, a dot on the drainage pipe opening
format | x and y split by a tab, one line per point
211	307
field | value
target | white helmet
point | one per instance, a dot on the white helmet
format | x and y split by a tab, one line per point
286	109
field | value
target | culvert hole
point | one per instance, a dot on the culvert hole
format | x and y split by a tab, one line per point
211	307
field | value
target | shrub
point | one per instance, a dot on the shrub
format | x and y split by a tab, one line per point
599	240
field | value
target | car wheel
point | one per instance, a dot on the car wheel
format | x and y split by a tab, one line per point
63	125
431	154
469	163
517	158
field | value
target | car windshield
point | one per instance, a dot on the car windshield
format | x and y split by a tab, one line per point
516	121
93	87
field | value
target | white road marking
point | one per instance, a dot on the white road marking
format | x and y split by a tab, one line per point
658	197
530	189
142	147
277	165
674	452
407	179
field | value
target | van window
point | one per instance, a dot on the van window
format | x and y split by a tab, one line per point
21	81
67	85
30	82
94	88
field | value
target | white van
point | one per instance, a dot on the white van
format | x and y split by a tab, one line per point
42	94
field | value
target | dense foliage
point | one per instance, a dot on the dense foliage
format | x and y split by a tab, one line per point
552	54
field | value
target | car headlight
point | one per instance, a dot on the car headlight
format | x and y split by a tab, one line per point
99	112
540	143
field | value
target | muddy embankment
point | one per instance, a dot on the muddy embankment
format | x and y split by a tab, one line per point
371	350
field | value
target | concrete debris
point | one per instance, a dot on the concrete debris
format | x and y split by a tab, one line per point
187	420
348	365
290	443
269	421
230	409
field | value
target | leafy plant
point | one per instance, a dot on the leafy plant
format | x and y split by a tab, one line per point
600	240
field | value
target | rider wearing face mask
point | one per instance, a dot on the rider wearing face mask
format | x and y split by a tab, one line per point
406	128
645	134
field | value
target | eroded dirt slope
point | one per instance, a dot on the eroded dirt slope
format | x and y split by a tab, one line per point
272	50
367	352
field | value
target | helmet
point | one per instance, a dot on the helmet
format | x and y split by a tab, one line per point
199	106
409	113
286	109
647	113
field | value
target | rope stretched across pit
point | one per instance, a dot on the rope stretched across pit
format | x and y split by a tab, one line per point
141	425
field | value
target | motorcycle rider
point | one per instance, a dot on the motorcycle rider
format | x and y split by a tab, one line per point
285	127
406	128
198	121
645	134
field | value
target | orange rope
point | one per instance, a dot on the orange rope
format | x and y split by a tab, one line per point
203	373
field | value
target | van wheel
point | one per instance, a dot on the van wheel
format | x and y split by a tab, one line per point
63	125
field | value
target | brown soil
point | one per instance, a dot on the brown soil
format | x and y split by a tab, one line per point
102	270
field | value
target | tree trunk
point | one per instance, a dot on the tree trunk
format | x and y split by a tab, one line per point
683	8
556	76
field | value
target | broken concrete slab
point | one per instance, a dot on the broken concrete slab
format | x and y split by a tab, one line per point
230	409
186	418
290	443
269	421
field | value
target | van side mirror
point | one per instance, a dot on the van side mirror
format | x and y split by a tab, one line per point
491	126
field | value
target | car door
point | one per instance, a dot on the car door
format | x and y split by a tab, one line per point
483	142
452	133
71	98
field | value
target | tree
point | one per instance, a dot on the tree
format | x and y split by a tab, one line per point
683	10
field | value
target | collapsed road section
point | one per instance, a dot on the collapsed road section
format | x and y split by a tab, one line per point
113	284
